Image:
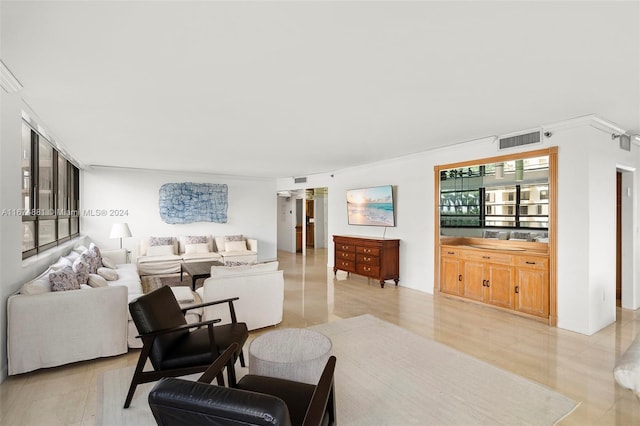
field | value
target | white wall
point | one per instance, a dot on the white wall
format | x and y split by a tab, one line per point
251	207
587	160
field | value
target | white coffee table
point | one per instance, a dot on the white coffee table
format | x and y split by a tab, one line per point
295	354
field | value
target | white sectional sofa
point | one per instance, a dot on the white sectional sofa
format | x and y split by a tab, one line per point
48	328
260	289
163	255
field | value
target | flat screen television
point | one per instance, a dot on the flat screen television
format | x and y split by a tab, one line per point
372	206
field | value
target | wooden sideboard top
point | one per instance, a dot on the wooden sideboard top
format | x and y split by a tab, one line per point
360	237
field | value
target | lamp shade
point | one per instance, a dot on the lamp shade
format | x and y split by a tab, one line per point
120	230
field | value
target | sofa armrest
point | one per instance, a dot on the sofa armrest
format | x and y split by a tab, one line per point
119	256
252	244
56	328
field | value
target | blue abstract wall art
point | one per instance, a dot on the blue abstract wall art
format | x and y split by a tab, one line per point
189	202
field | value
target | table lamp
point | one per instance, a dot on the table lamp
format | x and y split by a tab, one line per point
120	230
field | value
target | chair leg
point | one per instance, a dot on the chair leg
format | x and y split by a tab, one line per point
241	356
144	353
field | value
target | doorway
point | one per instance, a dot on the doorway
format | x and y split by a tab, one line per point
624	238
302	220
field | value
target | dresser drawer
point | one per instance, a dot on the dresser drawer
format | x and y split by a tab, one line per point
368	270
449	251
346	265
367	259
343	255
489	257
532	262
373	251
345	247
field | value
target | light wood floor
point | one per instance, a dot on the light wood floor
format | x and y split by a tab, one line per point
577	366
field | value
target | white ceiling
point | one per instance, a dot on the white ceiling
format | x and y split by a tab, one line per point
277	89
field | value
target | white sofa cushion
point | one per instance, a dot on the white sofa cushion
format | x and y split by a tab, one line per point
235	246
201	257
160	250
196	248
165	258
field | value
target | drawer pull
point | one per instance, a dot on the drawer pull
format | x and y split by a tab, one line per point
486	257
345	255
367	269
451	252
517	289
345	247
367	250
530	263
366	259
459	277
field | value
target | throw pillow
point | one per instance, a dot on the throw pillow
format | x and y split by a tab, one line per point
108	263
160	250
39	285
233	238
196	248
64	279
160	241
235	245
108	274
91	260
236	263
82	271
95	251
96	280
195	239
61	263
80	249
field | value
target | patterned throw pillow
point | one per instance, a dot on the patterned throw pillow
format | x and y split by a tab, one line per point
521	236
233	238
87	257
160	241
195	239
82	270
236	263
95	251
64	279
491	234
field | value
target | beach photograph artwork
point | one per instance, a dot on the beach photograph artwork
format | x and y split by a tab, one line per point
371	206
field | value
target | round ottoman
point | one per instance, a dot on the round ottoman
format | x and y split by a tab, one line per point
295	354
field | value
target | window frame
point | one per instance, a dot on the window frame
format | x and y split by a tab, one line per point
62	209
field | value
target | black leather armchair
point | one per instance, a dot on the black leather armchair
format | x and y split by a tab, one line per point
170	344
256	400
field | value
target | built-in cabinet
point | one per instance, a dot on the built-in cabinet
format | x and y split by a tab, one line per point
519	281
495	227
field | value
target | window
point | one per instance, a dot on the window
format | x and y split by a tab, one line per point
50	195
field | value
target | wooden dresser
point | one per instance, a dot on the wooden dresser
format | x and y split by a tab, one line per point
371	257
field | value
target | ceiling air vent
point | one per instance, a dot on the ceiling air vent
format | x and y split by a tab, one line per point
300	180
519	140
